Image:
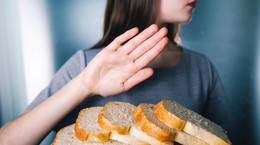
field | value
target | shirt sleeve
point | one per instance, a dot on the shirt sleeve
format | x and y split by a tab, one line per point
67	72
217	107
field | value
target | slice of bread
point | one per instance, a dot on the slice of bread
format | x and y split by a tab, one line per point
117	118
147	121
66	136
181	118
87	126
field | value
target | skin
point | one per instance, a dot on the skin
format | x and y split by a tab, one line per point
171	11
116	69
175	11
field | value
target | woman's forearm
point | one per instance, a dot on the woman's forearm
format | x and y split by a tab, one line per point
35	124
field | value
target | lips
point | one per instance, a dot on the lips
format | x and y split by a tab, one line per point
192	4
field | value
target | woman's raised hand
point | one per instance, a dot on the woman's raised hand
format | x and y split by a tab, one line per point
117	68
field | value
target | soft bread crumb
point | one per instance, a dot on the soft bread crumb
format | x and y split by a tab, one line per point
119	113
88	120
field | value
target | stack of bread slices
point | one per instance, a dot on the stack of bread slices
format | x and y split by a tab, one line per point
121	123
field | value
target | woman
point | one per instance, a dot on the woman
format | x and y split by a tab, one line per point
132	67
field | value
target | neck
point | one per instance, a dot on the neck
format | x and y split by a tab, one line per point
169	57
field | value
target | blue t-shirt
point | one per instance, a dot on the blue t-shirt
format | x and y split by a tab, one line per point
193	83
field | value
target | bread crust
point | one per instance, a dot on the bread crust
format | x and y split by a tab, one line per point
167	117
80	133
150	128
107	125
83	135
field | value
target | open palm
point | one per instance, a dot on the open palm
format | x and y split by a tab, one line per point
117	68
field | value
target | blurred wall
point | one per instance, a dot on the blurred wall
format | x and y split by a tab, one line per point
12	89
36	44
74	25
257	83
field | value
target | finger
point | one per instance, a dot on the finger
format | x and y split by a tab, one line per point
149	44
122	38
140	76
151	54
136	41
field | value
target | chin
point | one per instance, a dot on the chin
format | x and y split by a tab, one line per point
182	19
185	19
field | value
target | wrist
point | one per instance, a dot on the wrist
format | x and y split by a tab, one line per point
83	87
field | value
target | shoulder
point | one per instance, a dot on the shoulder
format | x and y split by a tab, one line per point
197	61
73	65
195	57
77	62
81	58
199	64
90	53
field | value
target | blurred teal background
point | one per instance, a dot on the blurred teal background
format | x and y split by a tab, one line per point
46	33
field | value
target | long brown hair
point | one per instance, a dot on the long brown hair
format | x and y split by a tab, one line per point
122	15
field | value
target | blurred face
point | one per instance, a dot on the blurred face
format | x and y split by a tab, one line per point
176	11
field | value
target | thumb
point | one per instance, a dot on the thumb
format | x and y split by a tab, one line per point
138	77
